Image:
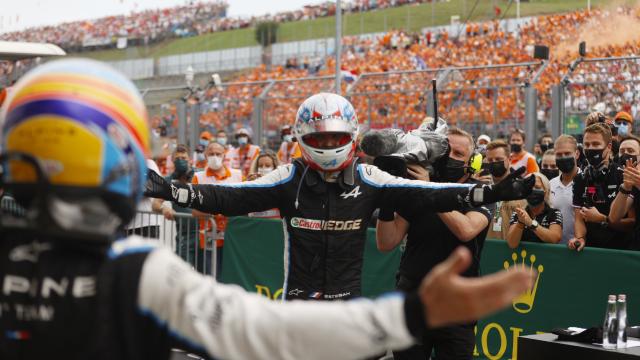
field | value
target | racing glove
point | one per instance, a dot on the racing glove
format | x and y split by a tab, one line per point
513	187
159	188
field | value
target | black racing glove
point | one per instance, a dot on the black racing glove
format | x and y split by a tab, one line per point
513	187
159	188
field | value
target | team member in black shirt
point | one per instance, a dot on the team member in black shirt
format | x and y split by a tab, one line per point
538	222
628	198
431	239
593	192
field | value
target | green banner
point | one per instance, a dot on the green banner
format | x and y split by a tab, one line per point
571	288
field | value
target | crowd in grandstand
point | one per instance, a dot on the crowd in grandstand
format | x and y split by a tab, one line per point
193	18
489	96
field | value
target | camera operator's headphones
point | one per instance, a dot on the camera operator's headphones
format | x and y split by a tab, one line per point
475	163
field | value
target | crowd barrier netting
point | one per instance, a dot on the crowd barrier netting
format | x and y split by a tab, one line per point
570	288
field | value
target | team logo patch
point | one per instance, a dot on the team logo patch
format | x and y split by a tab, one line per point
353	193
336	225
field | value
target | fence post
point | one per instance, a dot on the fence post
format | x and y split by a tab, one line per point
557	110
194	126
181	111
258	118
530	121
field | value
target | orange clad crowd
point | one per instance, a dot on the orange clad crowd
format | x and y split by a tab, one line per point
480	96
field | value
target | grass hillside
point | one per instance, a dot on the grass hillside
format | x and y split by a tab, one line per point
412	17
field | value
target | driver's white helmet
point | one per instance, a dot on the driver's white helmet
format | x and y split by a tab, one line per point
327	113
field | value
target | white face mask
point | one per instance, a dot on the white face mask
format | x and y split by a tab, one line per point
214	162
222	141
287	138
264	170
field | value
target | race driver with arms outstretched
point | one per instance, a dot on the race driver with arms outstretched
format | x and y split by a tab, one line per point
326	199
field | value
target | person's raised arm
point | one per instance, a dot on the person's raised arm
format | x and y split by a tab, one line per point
466	226
390	233
417	196
516	228
226	199
227	322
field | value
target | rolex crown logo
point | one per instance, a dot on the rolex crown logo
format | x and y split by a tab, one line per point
524	303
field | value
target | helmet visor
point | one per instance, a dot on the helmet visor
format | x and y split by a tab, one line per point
327	140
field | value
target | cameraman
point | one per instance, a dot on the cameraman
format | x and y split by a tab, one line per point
424	251
593	192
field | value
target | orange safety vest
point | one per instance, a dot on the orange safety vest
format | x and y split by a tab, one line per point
241	158
288	151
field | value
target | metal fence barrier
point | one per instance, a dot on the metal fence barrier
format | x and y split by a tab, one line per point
191	238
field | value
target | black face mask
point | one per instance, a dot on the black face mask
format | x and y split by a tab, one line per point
622	161
594	156
536	197
566	164
497	169
546	146
550	173
516	148
454	170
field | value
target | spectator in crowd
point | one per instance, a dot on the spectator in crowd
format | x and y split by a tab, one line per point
548	165
628	198
222	139
242	156
629	149
481	144
561	197
593	192
186	227
624	122
537	222
499	167
545	142
289	148
519	156
265	163
215	173
455	228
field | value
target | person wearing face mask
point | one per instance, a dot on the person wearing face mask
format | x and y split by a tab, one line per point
221	138
519	156
624	122
561	197
242	156
593	192
423	252
627	201
538	222
215	173
497	161
545	142
289	148
265	163
186	228
481	144
548	166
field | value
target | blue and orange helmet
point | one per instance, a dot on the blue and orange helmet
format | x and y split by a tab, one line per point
86	127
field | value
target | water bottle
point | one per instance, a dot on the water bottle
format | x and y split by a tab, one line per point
621	307
609	331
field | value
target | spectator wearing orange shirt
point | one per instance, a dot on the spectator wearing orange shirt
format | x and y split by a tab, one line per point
519	156
215	173
289	148
242	156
